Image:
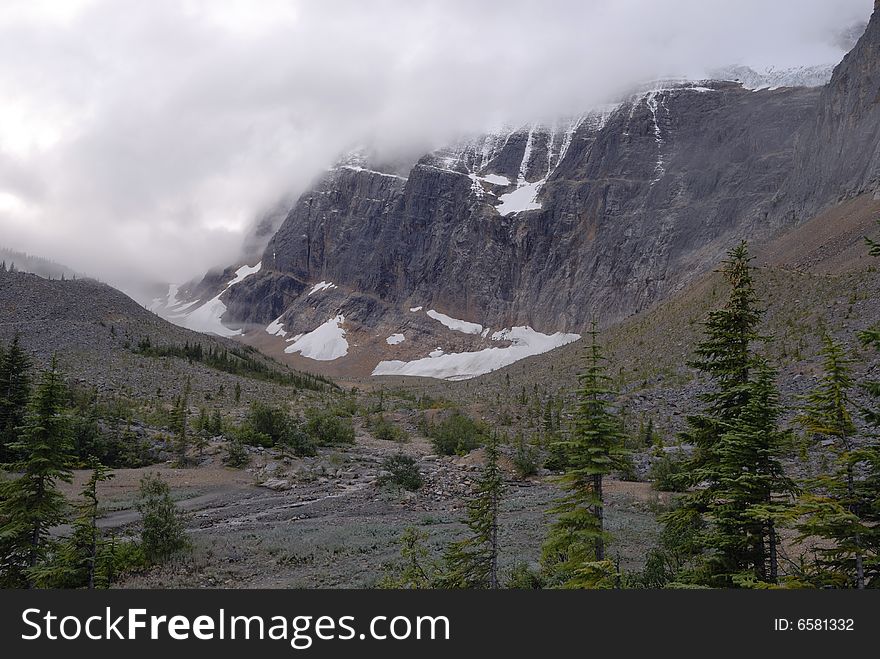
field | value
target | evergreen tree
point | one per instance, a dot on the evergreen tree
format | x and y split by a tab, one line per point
840	506
576	542
416	570
31	504
162	533
473	562
722	433
86	534
77	560
216	426
752	490
15	389
181	413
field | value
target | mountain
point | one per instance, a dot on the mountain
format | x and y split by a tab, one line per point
509	244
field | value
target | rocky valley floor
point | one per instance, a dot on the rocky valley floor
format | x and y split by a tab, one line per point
325	522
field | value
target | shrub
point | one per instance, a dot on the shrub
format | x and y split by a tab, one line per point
326	428
665	473
162	533
236	454
266	420
387	430
296	440
522	577
457	434
402	472
525	458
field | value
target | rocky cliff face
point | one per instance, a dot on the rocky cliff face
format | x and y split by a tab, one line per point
599	215
545	226
838	150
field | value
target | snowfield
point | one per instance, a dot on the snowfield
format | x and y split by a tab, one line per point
455	324
394	339
276	328
465	365
325	343
521	199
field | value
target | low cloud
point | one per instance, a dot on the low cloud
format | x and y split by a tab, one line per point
139	140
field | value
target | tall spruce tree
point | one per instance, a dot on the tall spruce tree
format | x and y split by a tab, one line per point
753	490
31	504
473	562
181	425
735	470
594	448
15	391
839	505
86	541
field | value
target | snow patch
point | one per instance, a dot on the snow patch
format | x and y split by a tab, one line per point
525	342
522	199
394	339
455	324
207	319
496	179
325	343
322	286
243	273
276	328
653	106
355	168
415	309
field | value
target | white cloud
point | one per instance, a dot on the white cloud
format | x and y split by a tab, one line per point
138	139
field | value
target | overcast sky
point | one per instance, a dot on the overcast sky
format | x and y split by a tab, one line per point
139	139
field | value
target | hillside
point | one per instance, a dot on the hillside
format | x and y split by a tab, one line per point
97	332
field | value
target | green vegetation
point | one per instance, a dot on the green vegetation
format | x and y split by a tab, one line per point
401	472
327	428
473	562
737	458
162	534
457	434
574	553
244	362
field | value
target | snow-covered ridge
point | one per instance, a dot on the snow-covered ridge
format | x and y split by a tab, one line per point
525	342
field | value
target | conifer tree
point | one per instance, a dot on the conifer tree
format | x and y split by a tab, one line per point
839	504
593	449
162	533
86	535
473	562
753	491
75	563
181	413
735	467
15	390
31	504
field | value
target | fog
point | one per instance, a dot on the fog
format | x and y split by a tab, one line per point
139	140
